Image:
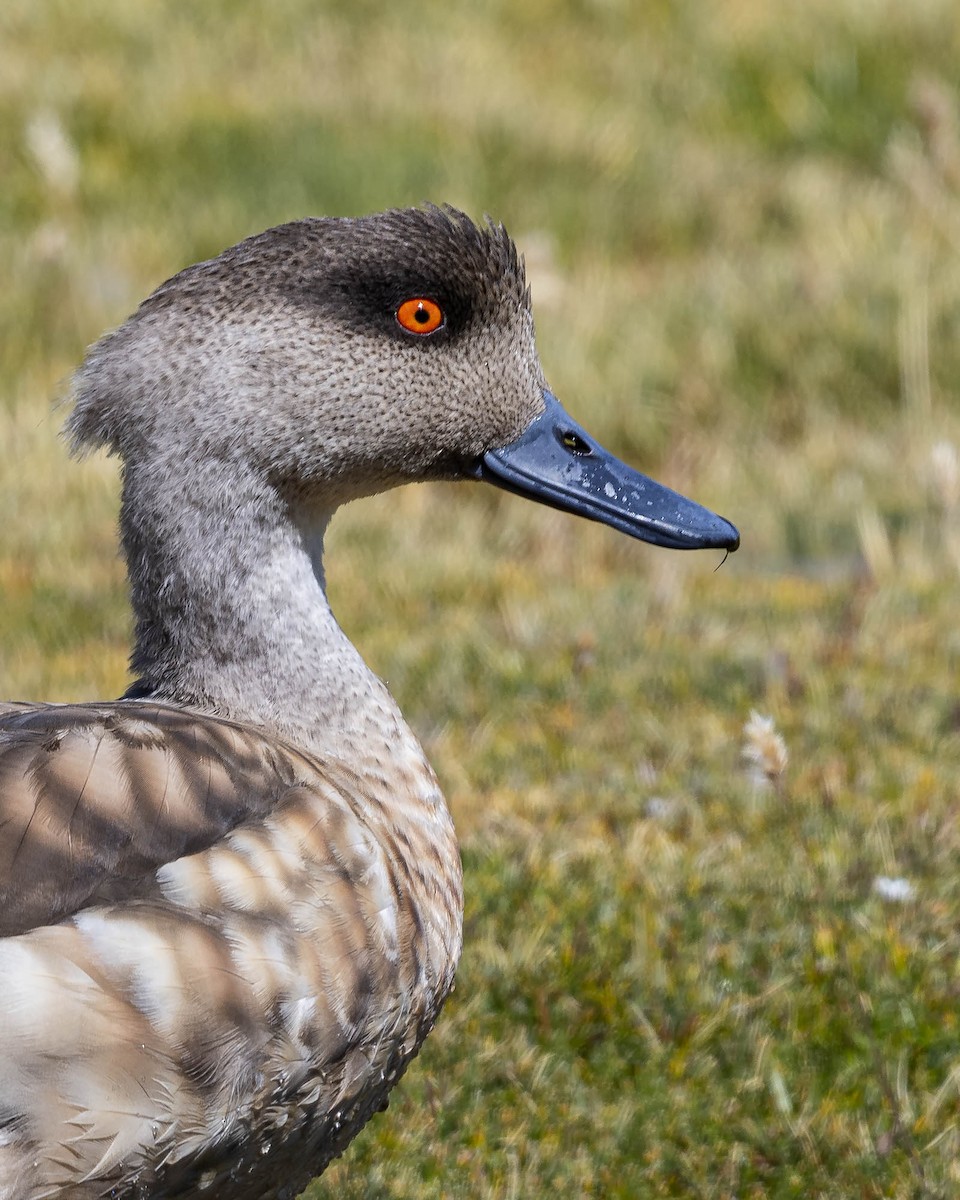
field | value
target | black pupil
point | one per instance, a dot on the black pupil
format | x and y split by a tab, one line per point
421	316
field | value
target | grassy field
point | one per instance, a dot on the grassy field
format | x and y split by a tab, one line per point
699	961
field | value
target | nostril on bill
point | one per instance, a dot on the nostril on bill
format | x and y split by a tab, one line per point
573	442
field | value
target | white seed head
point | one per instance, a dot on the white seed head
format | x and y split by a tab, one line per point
764	750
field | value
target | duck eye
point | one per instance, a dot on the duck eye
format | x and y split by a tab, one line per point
420	315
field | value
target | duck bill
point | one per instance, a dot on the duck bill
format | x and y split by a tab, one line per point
558	463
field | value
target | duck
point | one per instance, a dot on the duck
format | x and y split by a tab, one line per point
231	900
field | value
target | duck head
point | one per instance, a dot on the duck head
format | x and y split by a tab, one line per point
334	358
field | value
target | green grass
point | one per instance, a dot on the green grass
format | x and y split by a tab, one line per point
742	225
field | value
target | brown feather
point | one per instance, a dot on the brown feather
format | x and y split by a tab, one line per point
240	957
93	798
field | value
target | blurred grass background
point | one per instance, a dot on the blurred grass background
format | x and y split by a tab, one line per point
686	972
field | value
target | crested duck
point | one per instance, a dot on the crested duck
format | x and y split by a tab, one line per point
230	901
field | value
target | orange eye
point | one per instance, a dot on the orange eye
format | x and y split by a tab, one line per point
420	315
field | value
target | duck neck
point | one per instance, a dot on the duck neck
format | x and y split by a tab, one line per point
231	612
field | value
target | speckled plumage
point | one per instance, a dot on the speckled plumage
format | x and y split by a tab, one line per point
231	902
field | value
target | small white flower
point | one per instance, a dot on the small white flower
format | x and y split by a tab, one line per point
659	808
764	750
899	890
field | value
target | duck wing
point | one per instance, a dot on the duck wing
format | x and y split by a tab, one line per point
95	797
229	951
